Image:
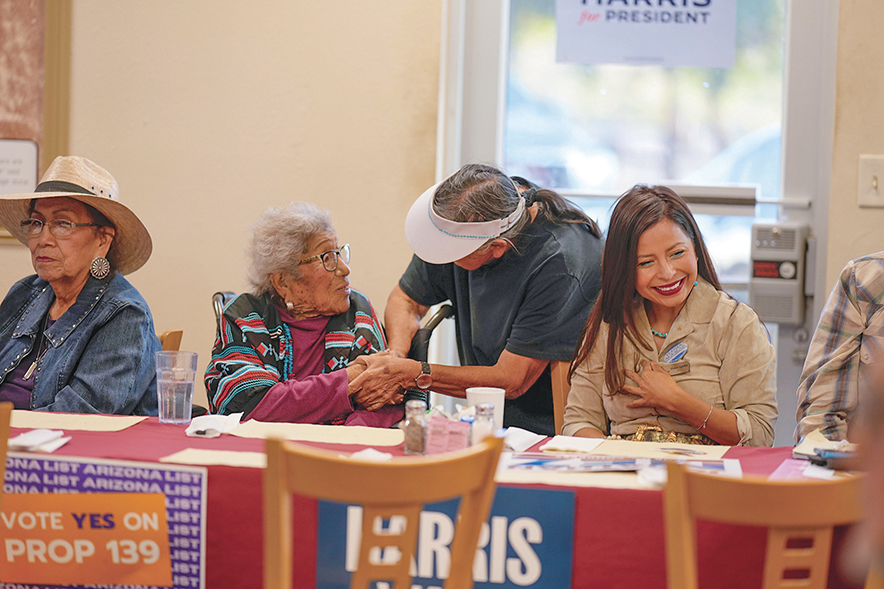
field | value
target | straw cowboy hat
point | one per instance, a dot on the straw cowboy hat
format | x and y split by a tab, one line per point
83	180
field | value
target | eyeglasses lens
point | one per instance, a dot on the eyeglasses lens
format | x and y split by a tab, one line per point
330	259
58	227
32	226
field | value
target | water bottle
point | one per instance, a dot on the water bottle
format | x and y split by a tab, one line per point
483	425
415	427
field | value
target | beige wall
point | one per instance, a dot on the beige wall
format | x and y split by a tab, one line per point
207	112
859	129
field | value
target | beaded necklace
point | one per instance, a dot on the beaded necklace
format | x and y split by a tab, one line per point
288	354
659	334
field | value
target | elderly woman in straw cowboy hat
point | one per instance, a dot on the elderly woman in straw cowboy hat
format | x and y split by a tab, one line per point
77	337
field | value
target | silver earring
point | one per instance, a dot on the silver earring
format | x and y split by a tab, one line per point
290	306
100	268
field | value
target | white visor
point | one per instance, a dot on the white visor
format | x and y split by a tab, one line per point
437	240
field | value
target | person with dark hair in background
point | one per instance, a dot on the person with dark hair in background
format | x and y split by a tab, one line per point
520	265
666	355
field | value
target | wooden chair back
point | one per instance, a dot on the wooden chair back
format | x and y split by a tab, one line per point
171	340
558	371
799	516
399	487
5	418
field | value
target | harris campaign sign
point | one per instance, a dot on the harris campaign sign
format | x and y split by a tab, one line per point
671	33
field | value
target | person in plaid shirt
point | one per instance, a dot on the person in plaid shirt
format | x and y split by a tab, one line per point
847	340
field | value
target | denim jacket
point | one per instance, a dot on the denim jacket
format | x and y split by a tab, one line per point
101	354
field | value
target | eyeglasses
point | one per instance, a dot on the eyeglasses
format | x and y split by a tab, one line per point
57	227
330	258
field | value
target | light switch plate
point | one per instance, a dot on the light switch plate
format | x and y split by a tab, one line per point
870	183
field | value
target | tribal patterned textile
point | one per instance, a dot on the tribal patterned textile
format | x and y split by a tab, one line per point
253	351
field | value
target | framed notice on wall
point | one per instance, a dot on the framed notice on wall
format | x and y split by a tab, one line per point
18	172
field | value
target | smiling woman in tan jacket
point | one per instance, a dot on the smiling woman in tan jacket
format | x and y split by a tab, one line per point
666	355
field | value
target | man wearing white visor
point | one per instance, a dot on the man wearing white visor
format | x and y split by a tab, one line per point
520	266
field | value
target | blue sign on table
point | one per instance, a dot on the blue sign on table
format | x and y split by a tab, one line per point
528	541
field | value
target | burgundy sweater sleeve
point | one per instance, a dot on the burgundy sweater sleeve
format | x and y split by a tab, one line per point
384	417
314	399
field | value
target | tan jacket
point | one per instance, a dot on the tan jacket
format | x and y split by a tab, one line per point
731	366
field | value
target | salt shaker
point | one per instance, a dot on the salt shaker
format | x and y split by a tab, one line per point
483	425
415	427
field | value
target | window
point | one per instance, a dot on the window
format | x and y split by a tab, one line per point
600	129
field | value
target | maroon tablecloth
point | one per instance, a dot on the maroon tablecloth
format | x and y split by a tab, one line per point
618	533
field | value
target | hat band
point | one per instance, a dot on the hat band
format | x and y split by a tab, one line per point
481	230
60	186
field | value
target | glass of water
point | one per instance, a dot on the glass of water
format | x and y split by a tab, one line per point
176	375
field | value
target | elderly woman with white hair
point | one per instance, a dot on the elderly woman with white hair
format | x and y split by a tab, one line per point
287	351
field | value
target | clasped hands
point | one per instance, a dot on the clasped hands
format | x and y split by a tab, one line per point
656	387
383	380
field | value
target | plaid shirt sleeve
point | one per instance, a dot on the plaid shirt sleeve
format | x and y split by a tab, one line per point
829	390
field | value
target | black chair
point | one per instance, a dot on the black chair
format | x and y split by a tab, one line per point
219	301
420	345
421	342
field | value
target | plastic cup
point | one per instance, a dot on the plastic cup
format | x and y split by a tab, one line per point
493	395
176	376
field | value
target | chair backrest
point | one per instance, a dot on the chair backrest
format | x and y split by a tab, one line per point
420	343
171	340
399	487
5	417
558	371
799	517
219	300
420	348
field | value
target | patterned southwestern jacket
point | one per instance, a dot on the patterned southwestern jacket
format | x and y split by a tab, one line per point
250	353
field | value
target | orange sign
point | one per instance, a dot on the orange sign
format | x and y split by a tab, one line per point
85	538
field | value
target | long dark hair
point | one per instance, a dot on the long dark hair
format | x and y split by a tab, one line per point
635	212
479	192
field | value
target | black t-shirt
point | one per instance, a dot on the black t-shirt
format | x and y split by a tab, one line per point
532	302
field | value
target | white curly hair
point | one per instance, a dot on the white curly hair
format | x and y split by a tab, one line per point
278	237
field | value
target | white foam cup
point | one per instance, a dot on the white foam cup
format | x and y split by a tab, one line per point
493	395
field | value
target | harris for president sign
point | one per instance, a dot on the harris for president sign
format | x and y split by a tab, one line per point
695	33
